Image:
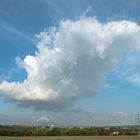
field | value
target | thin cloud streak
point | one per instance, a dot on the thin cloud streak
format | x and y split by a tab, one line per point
7	27
55	7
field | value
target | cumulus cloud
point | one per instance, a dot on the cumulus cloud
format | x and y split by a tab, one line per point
44	119
119	114
71	62
134	78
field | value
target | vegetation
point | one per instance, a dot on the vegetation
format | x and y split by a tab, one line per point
63	131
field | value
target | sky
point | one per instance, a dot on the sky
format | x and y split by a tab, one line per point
69	63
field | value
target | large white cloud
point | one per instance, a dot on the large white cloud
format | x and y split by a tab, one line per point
71	62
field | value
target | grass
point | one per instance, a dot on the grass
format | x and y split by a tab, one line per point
74	138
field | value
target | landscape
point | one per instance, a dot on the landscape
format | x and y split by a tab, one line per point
69	69
69	133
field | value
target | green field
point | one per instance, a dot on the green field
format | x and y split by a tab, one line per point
74	138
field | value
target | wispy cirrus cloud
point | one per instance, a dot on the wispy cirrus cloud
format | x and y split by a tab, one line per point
9	28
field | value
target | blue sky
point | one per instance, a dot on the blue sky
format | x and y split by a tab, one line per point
21	21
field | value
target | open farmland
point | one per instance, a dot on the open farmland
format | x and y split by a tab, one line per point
74	138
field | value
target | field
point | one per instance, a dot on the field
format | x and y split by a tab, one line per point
74	138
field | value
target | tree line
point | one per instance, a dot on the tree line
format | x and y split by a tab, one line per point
61	131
